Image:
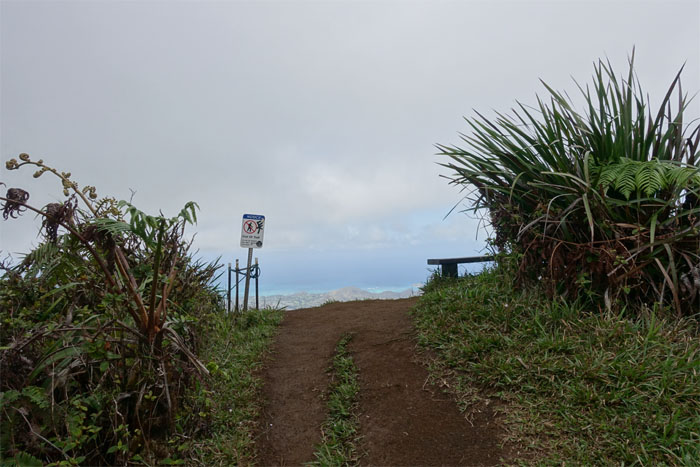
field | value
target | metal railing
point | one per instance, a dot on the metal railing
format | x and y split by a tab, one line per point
241	273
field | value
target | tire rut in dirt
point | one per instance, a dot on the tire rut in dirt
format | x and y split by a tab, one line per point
403	421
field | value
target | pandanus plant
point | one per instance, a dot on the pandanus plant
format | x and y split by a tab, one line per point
604	201
100	228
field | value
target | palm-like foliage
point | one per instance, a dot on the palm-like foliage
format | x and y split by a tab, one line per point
606	198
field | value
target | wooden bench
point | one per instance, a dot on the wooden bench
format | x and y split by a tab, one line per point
449	265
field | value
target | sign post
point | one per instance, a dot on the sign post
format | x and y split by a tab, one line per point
257	274
238	294
252	231
228	294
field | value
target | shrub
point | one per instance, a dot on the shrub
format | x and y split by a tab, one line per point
98	327
605	201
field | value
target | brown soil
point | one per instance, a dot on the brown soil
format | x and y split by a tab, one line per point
404	420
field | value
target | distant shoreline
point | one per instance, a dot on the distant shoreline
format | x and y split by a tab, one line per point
308	299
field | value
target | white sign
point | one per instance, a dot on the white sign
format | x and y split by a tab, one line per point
252	231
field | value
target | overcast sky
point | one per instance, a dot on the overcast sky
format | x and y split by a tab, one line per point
322	116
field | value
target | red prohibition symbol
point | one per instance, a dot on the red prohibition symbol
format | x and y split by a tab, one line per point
250	227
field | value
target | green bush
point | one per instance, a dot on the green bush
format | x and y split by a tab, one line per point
604	202
99	330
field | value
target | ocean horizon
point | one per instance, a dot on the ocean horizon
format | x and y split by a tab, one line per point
325	285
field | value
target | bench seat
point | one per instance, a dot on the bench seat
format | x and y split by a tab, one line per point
449	265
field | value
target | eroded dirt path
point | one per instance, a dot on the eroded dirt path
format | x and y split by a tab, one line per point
404	421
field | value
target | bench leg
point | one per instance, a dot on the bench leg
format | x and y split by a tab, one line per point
449	270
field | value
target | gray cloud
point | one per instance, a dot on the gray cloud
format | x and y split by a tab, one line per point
321	116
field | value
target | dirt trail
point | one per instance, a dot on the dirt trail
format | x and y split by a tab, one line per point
403	420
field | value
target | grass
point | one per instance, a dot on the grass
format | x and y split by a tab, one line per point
583	387
339	432
235	351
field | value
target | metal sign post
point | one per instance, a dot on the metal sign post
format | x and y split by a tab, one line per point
252	231
237	292
228	294
247	279
257	274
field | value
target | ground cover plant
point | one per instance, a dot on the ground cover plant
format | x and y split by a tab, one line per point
339	433
581	386
100	328
604	202
235	348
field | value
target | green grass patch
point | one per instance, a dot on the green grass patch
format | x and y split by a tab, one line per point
339	433
234	349
583	387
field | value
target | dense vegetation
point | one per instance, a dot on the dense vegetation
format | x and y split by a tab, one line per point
103	327
604	203
588	326
581	386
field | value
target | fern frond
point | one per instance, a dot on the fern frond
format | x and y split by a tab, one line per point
649	178
111	226
42	256
606	175
37	396
626	180
682	176
24	459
